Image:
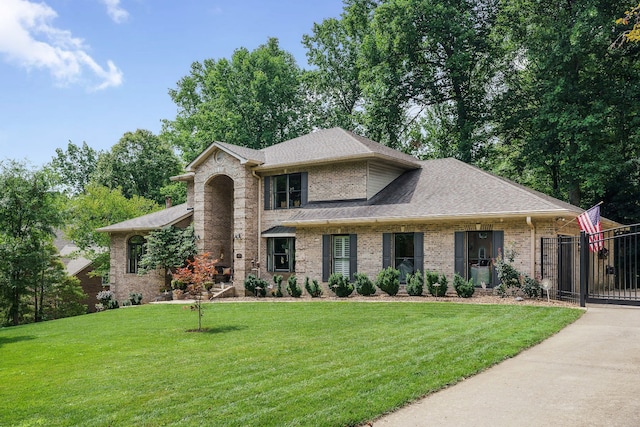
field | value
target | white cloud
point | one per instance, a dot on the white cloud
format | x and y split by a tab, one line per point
28	39
117	13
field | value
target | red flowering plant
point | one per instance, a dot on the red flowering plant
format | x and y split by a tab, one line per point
196	274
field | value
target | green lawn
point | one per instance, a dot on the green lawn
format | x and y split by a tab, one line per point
265	363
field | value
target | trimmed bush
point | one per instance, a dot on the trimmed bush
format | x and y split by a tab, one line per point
464	288
415	284
531	287
107	299
388	281
277	279
364	285
255	285
135	298
292	287
313	287
340	285
437	285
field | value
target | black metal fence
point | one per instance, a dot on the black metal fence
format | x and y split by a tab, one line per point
605	269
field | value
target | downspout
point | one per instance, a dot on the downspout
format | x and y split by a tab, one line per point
253	172
533	246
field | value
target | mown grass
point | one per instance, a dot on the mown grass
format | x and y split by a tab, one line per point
284	364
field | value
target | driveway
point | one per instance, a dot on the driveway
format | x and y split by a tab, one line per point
586	375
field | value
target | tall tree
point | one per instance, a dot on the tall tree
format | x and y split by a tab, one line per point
570	114
75	166
254	99
30	210
140	164
98	207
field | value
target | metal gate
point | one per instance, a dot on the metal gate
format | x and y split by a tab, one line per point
581	271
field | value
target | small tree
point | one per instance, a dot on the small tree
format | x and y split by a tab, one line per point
195	274
277	279
340	285
415	284
364	285
464	288
292	287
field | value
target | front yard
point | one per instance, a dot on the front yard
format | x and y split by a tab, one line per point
295	363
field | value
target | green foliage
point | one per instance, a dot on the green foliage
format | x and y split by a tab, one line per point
140	164
255	285
464	288
167	248
415	284
135	298
277	279
340	285
364	286
75	167
436	284
256	97
531	287
107	300
30	211
388	280
512	282
98	207
313	287
292	287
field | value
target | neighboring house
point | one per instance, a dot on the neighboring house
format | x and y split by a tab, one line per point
332	201
80	268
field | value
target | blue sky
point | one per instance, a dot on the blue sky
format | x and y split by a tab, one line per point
91	70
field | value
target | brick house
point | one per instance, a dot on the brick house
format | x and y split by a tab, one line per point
332	201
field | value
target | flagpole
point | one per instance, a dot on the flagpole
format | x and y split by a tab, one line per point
574	219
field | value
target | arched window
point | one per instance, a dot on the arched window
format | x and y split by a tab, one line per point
135	249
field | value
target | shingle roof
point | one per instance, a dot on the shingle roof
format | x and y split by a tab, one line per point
330	145
323	146
443	188
151	221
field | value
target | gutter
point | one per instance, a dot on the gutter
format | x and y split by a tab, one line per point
533	246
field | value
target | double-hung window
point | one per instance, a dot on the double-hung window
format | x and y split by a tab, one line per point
404	252
339	255
285	191
281	254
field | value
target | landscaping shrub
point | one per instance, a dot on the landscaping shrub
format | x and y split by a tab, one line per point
388	281
512	282
292	287
277	279
437	285
464	288
313	287
135	298
364	285
415	284
107	300
340	285
531	287
255	285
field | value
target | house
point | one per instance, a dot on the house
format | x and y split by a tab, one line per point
333	201
80	267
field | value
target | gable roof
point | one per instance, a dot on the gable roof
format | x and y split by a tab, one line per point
152	221
320	147
441	189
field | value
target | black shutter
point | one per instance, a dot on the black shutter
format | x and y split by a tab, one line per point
418	252
353	256
386	250
304	194
267	193
459	249
497	245
326	257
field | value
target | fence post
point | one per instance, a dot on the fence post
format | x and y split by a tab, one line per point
584	268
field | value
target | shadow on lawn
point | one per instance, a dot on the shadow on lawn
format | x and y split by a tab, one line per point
11	340
219	329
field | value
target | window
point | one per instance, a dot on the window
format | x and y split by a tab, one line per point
285	191
404	252
281	253
135	249
474	251
339	255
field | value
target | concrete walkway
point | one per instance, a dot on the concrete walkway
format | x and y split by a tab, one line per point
586	375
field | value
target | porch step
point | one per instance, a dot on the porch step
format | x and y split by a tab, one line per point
224	292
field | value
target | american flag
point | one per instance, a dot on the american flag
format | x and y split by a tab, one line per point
590	223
